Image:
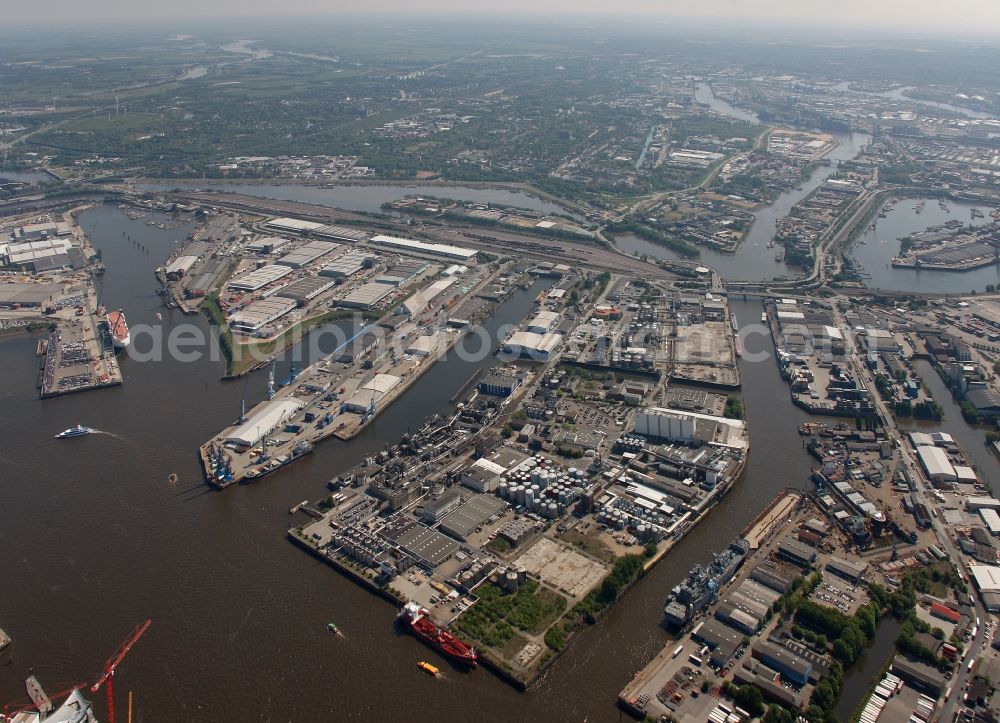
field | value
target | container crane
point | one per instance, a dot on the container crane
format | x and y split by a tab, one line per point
107	676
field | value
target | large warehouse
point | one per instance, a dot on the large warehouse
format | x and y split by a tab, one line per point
259	313
293	225
367	296
305	289
372	393
264	421
936	463
535	346
422	247
306	254
259	278
347	265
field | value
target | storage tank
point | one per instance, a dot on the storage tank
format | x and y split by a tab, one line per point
553	509
503	490
529	500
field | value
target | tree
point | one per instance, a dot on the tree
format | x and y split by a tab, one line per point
750	699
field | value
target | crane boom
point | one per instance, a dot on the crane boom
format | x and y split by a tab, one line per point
107	676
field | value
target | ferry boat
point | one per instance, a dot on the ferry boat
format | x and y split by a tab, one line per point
77	431
119	329
420	624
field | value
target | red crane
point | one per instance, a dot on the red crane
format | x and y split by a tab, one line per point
108	674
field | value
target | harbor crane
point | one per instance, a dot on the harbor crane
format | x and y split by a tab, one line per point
107	676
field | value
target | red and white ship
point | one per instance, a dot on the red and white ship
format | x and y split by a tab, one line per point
119	329
420	623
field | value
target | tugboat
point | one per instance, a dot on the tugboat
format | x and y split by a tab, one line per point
77	431
431	670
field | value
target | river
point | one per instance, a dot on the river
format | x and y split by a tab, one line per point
876	247
95	539
365	198
32	177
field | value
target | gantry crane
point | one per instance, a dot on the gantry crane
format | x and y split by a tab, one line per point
107	676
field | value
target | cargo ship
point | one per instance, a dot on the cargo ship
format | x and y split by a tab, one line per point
702	584
420	623
273	465
119	329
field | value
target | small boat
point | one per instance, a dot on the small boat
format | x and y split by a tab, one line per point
332	627
77	431
159	316
428	668
763	317
172	479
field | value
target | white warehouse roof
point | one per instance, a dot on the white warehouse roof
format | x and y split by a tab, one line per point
406	244
264	421
936	463
260	278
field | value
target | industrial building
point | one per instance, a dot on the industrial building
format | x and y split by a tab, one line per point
419	301
305	255
37	231
367	296
543	323
258	314
483	475
370	394
432	510
347	265
31	253
920	676
341	233
472	515
259	278
992	520
428	547
499	385
535	346
262	422
402	272
421	247
179	267
359	347
851	571
791	666
27	295
292	225
424	346
306	289
974	504
672	425
987	579
723	641
796	552
936	464
267	244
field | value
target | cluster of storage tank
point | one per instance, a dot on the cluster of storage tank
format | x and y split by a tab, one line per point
622	514
630	443
540	486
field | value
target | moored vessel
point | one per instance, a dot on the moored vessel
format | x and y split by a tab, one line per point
420	623
119	329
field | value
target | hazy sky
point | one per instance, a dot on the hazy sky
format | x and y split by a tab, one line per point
975	16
